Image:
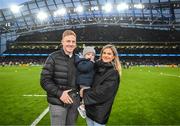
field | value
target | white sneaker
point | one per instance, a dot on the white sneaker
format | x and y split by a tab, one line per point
82	111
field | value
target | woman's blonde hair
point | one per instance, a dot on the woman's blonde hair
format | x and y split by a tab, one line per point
116	61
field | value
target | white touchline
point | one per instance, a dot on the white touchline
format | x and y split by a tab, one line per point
38	119
169	75
33	95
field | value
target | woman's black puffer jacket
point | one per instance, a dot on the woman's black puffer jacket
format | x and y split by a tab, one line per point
98	100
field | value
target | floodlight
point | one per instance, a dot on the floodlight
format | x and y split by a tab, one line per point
139	6
8	24
60	12
95	8
107	7
42	15
79	9
15	8
122	6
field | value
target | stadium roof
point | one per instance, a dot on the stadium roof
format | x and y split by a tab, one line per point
47	15
8	3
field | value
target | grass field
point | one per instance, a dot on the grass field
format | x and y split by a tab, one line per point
147	96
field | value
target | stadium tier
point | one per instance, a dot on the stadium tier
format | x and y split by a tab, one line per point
135	53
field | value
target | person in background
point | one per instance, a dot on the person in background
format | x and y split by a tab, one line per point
85	73
58	80
99	99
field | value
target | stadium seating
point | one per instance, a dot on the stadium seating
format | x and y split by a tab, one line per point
135	53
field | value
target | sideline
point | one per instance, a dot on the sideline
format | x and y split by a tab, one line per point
38	119
170	75
33	95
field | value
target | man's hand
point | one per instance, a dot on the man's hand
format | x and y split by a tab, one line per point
81	92
66	98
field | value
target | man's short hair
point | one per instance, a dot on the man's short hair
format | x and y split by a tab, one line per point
68	32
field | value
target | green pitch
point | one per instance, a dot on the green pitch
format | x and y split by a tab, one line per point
147	96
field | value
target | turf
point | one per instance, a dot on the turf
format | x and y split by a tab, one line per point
147	96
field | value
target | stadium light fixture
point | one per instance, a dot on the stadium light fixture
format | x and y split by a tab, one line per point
139	6
79	9
122	6
42	15
60	12
95	8
15	8
107	7
8	24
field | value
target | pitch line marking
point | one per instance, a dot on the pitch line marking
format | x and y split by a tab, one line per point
171	75
38	119
33	95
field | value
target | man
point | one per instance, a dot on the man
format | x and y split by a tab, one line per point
58	80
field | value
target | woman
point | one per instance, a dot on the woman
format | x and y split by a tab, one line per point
98	100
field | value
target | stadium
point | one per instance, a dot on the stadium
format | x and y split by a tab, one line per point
146	34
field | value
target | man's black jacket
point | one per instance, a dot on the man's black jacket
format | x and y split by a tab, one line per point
58	74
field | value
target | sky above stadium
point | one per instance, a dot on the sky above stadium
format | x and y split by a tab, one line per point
7	3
